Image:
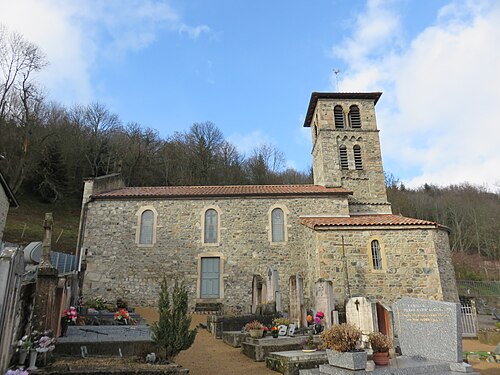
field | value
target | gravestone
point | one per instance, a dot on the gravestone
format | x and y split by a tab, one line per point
296	311
430	329
272	284
362	313
324	300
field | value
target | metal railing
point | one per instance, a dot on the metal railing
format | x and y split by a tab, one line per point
469	288
469	321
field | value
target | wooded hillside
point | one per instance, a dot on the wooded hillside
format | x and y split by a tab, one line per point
50	148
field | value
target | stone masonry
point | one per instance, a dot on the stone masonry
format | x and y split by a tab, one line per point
341	214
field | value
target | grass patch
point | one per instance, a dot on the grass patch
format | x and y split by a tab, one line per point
25	223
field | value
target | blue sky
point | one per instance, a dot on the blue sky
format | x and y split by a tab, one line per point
250	68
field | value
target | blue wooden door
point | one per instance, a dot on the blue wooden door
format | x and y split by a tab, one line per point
210	277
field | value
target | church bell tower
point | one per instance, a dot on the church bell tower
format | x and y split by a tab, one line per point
346	147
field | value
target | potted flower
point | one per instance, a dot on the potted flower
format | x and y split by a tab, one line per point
341	344
381	344
275	331
255	328
69	318
23	347
308	345
318	322
42	343
122	316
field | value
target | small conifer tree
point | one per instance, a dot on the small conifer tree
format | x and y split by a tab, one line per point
172	332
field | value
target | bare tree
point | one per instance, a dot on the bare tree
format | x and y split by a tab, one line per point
19	59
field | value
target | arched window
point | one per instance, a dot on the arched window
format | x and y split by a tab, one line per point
278	225
146	228
358	163
354	117
211	226
344	164
338	114
376	255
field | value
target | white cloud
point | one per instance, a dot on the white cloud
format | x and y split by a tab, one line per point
75	36
245	143
440	107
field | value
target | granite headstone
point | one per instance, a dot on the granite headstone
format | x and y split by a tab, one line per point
430	329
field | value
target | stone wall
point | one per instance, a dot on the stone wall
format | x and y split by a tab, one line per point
410	259
118	267
445	266
368	183
4	209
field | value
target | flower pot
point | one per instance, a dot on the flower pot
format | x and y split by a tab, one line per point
33	355
256	333
275	334
381	359
23	353
64	327
348	360
318	328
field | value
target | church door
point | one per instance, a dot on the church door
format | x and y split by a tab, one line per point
210	277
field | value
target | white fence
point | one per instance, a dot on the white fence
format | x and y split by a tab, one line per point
469	321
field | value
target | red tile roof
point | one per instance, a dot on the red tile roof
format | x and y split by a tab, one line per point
364	220
220	191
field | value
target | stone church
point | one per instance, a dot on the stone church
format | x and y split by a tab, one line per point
239	247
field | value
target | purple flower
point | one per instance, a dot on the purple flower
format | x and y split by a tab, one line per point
317	320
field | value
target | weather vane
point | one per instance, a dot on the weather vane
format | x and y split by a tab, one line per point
336	72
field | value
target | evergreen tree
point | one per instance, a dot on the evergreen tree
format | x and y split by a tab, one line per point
172	332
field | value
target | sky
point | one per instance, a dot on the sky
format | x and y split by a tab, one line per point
250	68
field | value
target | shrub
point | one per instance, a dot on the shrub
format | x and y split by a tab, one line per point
342	338
253	325
379	342
172	332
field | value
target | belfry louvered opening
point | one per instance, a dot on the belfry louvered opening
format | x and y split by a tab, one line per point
344	164
338	114
354	117
358	163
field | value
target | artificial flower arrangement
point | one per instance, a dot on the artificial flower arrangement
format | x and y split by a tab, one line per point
45	344
281	321
70	316
18	371
254	325
122	316
320	315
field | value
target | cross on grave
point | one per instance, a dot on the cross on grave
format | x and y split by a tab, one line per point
347	288
357	304
47	241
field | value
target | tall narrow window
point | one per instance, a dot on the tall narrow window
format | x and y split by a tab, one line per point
278	225
147	222
338	114
358	163
343	158
376	255
354	117
211	226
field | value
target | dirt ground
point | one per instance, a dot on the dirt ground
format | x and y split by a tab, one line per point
211	356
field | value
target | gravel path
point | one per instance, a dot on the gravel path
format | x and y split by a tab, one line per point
209	356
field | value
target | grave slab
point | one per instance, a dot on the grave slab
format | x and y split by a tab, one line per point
106	340
291	362
234	338
429	329
402	365
259	349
